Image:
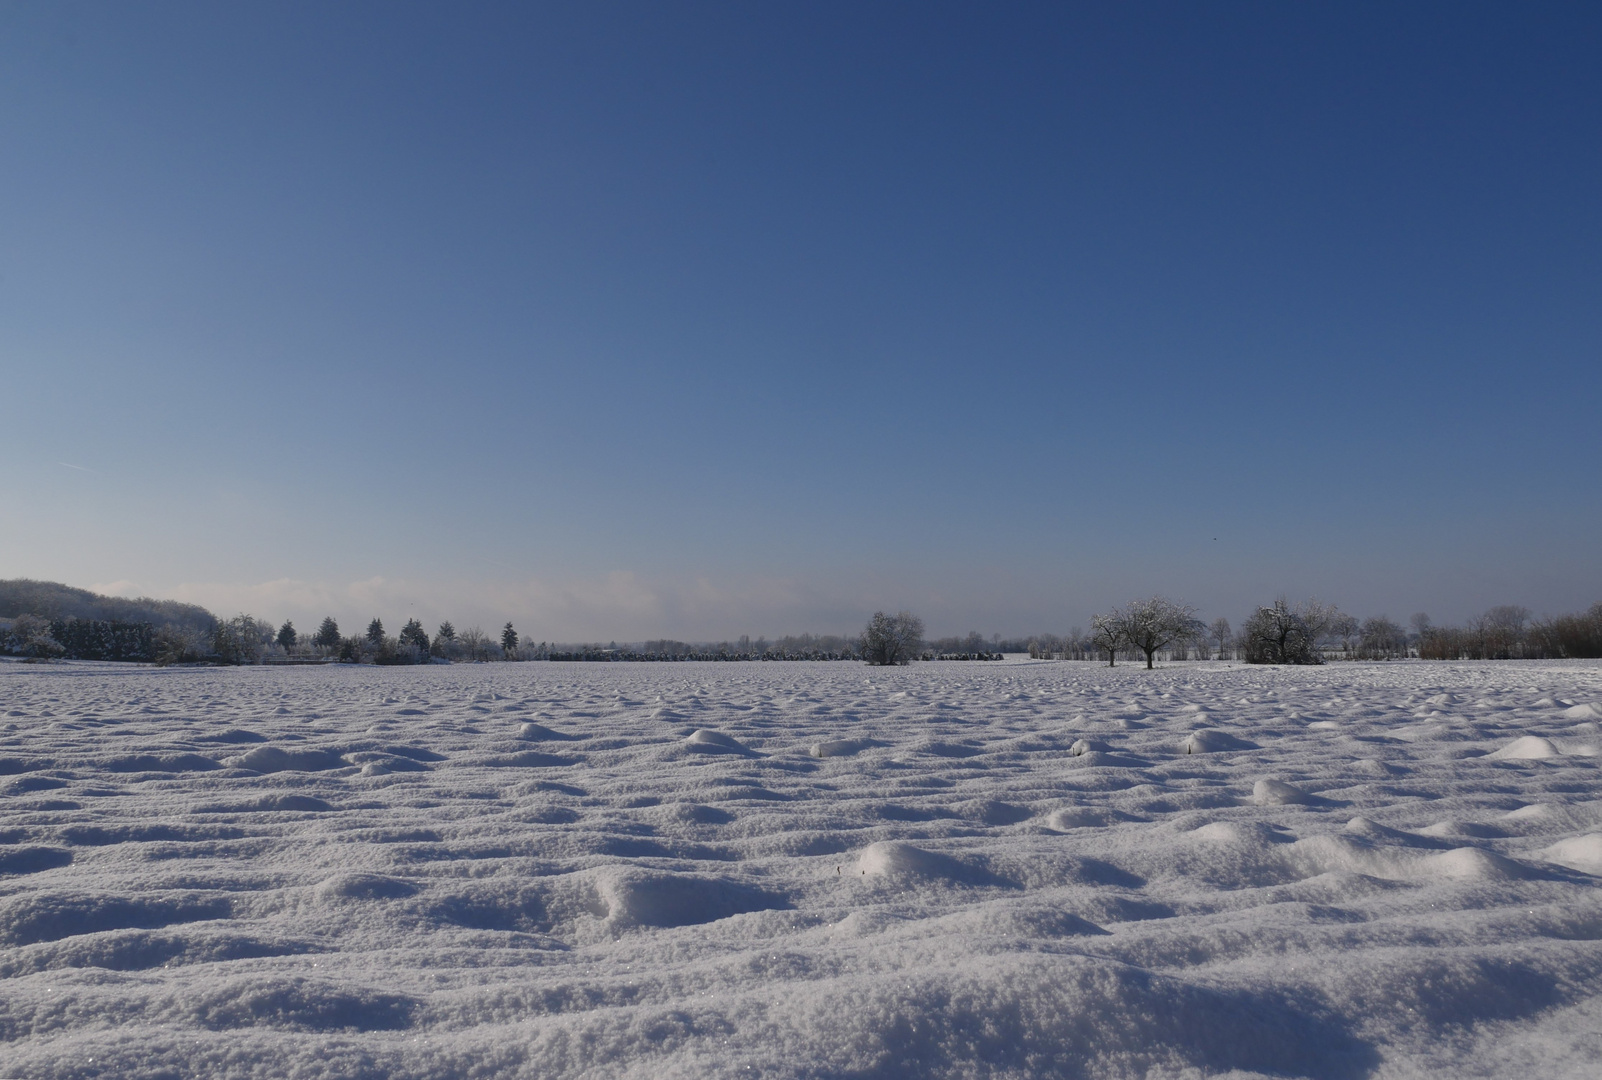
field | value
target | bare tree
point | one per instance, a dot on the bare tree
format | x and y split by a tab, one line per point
1381	639
1281	634
475	643
1318	618
1107	635
1502	631
241	640
891	639
1346	628
1156	623
1220	632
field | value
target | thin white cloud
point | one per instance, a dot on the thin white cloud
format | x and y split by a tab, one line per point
80	468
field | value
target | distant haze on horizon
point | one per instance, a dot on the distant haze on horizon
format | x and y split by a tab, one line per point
623	321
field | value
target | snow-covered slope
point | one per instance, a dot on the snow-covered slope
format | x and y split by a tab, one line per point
801	870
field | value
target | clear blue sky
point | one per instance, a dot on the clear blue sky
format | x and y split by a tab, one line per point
626	320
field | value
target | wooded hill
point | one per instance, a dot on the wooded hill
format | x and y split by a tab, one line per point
53	600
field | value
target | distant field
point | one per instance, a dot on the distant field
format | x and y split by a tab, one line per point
801	870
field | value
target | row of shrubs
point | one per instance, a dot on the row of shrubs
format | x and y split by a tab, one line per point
1508	634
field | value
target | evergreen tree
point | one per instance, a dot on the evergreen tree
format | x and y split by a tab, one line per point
414	634
286	635
447	631
375	631
509	640
327	634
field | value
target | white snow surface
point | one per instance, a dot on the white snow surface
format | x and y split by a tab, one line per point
796	870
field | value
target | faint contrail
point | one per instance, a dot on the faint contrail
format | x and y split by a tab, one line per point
69	465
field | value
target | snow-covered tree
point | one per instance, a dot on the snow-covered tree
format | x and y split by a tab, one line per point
476	644
30	636
375	631
286	635
1281	634
508	640
414	635
1156	623
327	635
891	639
1107	635
241	639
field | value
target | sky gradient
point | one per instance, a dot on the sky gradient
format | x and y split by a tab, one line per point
630	320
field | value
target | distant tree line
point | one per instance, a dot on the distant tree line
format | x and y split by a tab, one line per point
82	639
1509	633
45	620
1311	632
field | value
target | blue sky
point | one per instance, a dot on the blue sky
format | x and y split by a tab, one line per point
628	320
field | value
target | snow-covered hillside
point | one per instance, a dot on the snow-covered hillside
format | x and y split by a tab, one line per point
801	870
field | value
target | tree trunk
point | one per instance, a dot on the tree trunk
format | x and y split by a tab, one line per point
1149	654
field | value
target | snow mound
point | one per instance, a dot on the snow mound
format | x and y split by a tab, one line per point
498	904
1268	792
162	763
1469	864
1078	817
1020	920
631	897
266	759
298	1004
530	759
900	861
268	804
975	1015
540	733
32	859
695	814
52	916
342	888
940	748
1081	747
1212	741
1582	712
1577	853
141	950
995	812
1223	832
1527	748
234	735
707	741
1343	854
840	747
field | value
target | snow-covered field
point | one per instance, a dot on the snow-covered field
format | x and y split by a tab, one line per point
801	870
